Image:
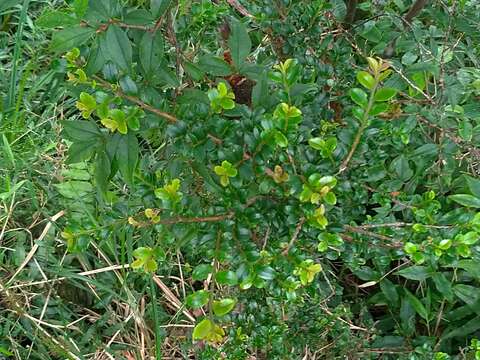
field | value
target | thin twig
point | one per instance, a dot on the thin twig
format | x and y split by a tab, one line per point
361	231
399	224
295	235
135	100
188	220
239	7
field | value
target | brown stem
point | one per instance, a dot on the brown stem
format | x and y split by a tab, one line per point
295	235
357	230
239	7
186	220
398	224
135	100
415	10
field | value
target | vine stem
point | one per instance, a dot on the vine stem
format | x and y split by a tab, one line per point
361	129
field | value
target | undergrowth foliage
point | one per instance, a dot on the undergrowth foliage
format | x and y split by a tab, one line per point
258	181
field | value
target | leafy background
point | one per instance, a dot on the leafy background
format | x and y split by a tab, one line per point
209	179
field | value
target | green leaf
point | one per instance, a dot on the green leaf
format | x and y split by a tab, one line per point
127	156
317	143
465	129
80	151
239	42
260	91
402	168
366	79
150	51
390	291
74	189
159	7
470	266
80	7
193	70
266	272
224	306
7	4
71	37
214	65
201	272
197	299
466	200
81	130
443	285
417	305
419	273
463	330
473	186
467	293
51	19
385	94
359	97
202	329
118	46
280	139
226	277
128	85
378	109
168	76
102	171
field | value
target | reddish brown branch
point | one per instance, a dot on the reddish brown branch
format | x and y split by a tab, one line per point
295	235
239	7
135	100
187	220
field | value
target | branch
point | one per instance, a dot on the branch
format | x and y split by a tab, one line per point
295	235
399	224
135	100
359	230
239	7
187	220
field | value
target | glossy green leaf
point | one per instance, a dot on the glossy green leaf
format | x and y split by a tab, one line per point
466	200
202	329
81	130
359	97
214	65
150	52
385	94
197	299
118	46
366	79
226	277
417	304
418	273
127	156
201	272
239	42
224	306
71	37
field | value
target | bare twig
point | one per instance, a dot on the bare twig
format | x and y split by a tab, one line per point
239	7
359	230
187	220
135	100
295	235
